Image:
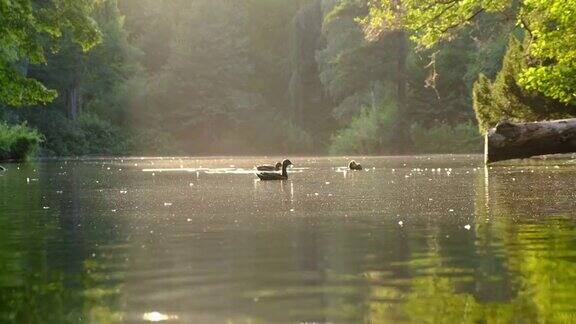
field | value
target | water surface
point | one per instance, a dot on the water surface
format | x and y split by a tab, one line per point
410	239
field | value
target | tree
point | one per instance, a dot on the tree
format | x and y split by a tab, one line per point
504	99
91	85
400	40
549	23
29	28
551	26
203	90
309	105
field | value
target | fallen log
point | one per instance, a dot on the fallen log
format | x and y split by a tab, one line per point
523	140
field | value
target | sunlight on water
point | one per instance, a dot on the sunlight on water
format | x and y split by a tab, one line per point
158	317
414	239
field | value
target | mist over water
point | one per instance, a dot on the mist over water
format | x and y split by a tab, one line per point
409	239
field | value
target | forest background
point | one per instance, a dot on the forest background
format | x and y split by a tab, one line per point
205	77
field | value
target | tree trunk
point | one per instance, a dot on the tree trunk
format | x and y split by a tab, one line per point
402	127
73	101
523	140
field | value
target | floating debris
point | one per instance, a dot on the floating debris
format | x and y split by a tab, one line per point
158	317
167	204
467	227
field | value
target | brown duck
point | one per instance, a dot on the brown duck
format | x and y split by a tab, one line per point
354	166
267	167
276	175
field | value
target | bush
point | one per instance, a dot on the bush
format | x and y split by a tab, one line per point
368	133
89	134
101	137
462	138
18	142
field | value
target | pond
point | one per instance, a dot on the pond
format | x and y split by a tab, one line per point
408	239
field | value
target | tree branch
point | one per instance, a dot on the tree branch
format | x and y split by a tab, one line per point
479	11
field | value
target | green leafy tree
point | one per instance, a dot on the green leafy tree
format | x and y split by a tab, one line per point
551	26
350	66
203	88
29	28
310	107
505	99
92	101
549	23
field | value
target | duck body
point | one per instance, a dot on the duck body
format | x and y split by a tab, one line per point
264	176
272	176
354	166
265	167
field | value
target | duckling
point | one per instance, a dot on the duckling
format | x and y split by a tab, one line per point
267	167
275	175
354	166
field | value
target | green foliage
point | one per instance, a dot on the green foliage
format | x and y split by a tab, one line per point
270	76
504	99
370	132
352	70
429	20
100	79
461	138
216	75
483	104
439	91
268	48
89	135
101	137
309	107
551	26
28	28
18	142
549	23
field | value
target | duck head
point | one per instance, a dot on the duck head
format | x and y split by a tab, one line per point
278	165
286	163
352	164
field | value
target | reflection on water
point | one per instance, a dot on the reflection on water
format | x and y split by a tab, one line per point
423	239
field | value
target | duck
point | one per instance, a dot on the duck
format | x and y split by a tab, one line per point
275	175
2	169
266	167
354	166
